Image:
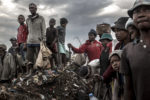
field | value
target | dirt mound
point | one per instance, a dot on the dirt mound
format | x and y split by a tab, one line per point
47	85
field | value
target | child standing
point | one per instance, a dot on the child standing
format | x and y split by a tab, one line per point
115	58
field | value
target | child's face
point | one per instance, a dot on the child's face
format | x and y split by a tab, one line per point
21	19
132	32
52	23
2	51
105	41
14	42
121	35
115	62
91	37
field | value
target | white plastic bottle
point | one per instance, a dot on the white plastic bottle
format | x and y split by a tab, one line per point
92	97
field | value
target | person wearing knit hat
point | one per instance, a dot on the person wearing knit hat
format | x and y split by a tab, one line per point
135	63
116	52
3	49
14	49
91	47
115	60
92	31
7	65
133	31
3	46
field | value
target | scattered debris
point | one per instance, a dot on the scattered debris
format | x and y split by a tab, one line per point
63	84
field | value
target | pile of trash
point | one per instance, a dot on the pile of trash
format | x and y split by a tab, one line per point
62	84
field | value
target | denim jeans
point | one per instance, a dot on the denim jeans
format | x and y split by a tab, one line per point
22	52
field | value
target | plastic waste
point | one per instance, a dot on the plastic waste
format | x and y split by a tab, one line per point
95	66
42	96
44	77
92	97
94	63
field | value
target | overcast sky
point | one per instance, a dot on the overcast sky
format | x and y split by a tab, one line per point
83	15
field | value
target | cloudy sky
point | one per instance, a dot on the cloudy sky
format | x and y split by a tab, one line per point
82	15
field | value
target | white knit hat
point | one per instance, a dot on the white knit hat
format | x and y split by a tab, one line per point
116	52
129	23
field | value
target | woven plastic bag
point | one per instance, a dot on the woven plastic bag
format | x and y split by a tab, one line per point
42	60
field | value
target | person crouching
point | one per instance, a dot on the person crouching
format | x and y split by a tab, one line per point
7	65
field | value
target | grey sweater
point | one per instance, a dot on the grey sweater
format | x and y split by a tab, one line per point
36	30
8	69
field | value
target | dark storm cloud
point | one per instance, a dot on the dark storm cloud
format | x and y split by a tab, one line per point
124	4
51	3
82	15
79	13
8	29
23	9
8	23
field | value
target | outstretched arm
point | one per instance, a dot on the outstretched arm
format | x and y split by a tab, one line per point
82	48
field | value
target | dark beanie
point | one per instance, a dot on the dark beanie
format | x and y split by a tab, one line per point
92	31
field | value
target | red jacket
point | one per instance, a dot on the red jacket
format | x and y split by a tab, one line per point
22	34
93	49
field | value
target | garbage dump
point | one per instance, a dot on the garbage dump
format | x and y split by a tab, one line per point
60	84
